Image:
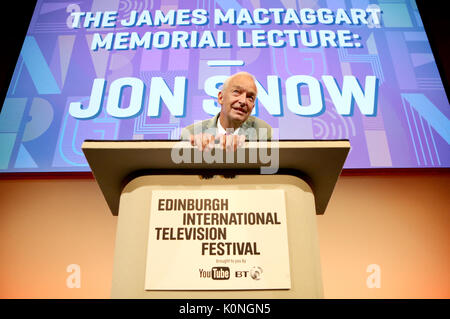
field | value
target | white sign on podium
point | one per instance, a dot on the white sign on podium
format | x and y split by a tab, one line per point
218	240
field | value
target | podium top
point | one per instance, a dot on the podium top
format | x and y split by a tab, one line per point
115	163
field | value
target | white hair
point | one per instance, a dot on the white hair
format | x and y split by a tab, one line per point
227	81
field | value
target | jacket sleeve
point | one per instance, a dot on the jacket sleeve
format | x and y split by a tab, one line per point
185	133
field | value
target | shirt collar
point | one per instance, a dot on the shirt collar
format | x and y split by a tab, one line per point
222	131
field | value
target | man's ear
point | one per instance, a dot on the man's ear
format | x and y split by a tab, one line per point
220	97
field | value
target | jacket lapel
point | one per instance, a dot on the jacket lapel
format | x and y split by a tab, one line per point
212	123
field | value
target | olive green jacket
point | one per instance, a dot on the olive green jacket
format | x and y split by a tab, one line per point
253	129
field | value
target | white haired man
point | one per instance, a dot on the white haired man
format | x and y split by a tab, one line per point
233	124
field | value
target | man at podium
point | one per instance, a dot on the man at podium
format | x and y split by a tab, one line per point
233	124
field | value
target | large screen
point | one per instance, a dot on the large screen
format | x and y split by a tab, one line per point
144	69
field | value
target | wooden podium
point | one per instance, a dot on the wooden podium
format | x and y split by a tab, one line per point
129	171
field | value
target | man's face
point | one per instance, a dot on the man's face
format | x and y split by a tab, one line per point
238	98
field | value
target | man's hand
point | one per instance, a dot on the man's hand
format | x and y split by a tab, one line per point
203	141
206	142
231	142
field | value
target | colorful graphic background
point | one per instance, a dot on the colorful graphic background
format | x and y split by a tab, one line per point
56	67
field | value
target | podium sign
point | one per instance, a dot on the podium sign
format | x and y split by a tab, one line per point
217	240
